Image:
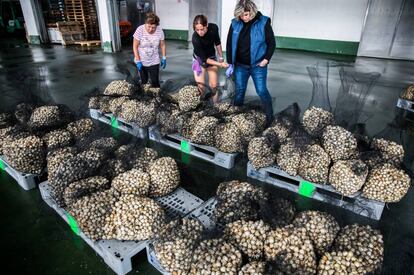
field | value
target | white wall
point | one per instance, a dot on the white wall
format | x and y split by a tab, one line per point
174	14
340	20
226	17
29	17
320	19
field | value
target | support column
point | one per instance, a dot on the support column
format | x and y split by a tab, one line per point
108	25
35	24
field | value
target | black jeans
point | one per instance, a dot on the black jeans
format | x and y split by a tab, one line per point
154	74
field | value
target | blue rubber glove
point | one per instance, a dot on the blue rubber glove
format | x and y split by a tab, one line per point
139	65
163	63
229	71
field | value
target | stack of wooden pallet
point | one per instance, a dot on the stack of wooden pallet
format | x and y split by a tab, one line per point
71	32
84	11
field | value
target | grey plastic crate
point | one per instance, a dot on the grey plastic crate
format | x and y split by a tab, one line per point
325	193
405	104
117	254
127	127
26	181
204	152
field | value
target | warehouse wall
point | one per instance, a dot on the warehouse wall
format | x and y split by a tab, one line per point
174	16
320	25
317	25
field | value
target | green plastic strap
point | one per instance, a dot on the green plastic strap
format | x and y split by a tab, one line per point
185	146
2	165
114	122
73	224
307	189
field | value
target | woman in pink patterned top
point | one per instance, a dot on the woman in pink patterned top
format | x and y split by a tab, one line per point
148	39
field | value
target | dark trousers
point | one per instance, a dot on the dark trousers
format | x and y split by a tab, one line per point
259	75
151	72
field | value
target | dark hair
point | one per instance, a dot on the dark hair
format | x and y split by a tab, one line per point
200	19
152	19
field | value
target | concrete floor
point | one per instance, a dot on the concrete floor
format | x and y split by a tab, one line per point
36	241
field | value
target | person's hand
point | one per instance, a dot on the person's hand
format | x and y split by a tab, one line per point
139	65
221	59
163	62
229	71
263	63
224	65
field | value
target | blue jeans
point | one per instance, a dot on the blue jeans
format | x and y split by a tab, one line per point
259	76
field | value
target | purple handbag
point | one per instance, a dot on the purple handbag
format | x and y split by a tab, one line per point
196	67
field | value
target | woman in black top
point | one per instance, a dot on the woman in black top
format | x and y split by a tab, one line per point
206	40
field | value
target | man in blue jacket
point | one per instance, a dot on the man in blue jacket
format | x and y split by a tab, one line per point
250	46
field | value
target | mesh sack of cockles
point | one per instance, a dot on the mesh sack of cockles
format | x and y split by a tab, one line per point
388	179
166	116
25	152
49	117
72	168
277	211
283	124
186	93
387	146
175	244
185	122
142	111
171	87
356	87
136	218
93	211
262	151
120	88
127	157
110	103
238	200
408	93
290	152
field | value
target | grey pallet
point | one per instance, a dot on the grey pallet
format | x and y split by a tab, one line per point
203	213
153	260
117	254
405	104
204	152
325	193
26	181
128	127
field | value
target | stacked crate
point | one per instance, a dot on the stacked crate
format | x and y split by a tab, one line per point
84	11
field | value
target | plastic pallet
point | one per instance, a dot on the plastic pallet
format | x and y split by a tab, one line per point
117	254
130	128
153	260
203	213
204	152
26	181
405	104
325	193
